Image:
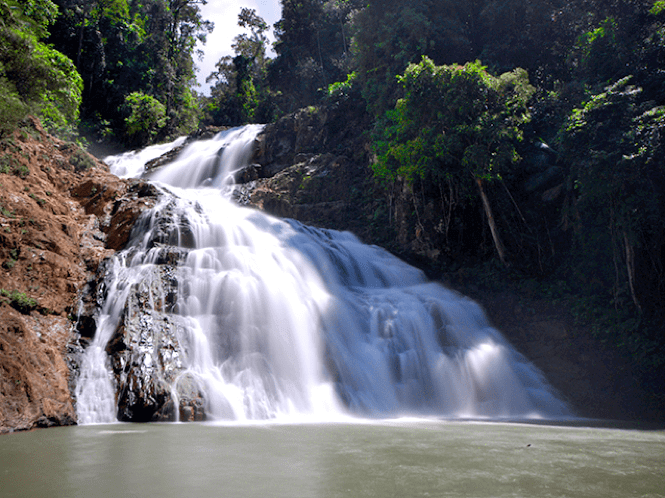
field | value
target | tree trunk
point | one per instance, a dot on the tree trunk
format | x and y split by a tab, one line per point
630	268
492	224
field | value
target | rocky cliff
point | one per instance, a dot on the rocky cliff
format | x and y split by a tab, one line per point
61	214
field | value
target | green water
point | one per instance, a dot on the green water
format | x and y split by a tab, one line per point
379	459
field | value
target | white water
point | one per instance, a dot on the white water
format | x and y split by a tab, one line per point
289	322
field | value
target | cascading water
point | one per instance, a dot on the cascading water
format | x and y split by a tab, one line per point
282	320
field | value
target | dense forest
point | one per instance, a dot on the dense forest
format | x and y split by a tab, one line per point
533	130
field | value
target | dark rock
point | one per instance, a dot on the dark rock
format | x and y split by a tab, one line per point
170	227
145	352
247	174
165	158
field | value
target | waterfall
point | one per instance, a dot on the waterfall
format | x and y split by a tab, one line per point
281	320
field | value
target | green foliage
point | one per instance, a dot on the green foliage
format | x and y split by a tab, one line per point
20	301
342	89
126	46
241	93
61	95
34	77
314	49
658	7
147	116
602	54
12	108
503	34
453	122
614	146
37	15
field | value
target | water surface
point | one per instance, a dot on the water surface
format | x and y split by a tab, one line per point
378	459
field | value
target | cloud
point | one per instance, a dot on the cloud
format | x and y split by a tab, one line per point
224	13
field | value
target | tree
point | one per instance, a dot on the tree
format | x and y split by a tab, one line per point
147	116
126	46
313	49
241	93
33	76
456	126
504	34
613	144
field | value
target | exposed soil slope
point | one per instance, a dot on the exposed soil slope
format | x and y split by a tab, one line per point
56	205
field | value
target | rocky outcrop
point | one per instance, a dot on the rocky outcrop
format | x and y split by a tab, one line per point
314	167
146	350
147	357
56	226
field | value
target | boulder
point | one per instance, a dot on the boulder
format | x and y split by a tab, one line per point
148	357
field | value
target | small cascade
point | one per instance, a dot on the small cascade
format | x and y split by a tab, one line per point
223	312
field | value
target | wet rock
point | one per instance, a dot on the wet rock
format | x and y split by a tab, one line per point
191	404
304	131
164	159
145	352
148	350
247	174
126	212
171	227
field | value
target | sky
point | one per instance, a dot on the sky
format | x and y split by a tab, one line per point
224	13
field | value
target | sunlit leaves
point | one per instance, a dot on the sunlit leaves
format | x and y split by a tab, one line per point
456	120
37	78
146	116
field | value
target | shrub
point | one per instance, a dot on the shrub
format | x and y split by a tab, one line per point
147	116
20	301
453	121
34	77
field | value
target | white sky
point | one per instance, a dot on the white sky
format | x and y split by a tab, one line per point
224	13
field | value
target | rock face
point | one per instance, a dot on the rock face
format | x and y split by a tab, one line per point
147	357
56	209
61	214
314	167
146	352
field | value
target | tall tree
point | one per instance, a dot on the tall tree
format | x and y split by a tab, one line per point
127	46
241	93
456	129
313	40
34	77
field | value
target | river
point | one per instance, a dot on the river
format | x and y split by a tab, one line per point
398	458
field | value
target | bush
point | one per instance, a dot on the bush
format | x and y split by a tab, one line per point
147	116
454	130
453	122
20	301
